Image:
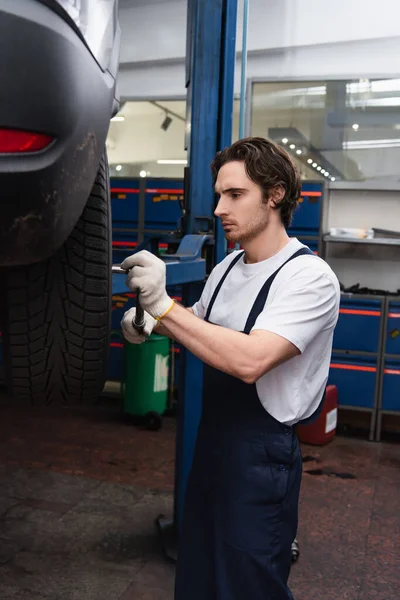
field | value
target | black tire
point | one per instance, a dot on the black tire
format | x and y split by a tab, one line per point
153	421
56	314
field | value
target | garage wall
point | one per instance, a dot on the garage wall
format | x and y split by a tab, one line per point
287	38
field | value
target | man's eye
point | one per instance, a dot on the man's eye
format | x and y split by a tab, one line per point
236	195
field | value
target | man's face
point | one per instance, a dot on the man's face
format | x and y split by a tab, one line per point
241	209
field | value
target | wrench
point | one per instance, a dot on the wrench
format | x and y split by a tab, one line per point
138	322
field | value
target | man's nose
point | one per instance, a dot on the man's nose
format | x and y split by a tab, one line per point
220	208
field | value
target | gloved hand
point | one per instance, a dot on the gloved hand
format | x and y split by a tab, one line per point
147	273
130	333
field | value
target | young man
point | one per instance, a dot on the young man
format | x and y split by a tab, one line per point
263	328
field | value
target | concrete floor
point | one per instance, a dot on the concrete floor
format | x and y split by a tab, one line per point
80	491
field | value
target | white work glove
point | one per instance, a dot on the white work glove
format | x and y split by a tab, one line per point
130	333
147	273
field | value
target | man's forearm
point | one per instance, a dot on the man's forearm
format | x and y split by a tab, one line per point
224	349
160	329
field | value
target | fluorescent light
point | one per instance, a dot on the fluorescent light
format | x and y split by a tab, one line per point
314	165
172	162
284	140
292	146
118	167
319	168
332	178
356	126
142	173
369	144
381	85
299	152
316	90
326	173
376	102
323	171
118	118
309	161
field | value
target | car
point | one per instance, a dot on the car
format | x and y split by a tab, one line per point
58	69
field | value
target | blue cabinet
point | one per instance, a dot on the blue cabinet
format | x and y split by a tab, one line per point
307	216
124	204
393	328
359	325
115	357
163	203
355	379
391	386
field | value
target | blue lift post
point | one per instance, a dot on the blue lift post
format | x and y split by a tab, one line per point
210	73
210	85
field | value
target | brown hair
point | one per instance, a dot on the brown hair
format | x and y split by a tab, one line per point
269	166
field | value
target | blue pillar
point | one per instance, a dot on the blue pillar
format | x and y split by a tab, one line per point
210	77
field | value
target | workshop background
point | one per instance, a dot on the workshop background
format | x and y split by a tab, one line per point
90	498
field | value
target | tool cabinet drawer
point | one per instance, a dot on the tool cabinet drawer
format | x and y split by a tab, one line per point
163	203
393	329
355	379
115	356
358	327
391	386
307	216
124	202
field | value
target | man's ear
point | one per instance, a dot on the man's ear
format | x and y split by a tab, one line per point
276	195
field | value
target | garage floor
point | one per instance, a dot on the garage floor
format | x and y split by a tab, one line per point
80	490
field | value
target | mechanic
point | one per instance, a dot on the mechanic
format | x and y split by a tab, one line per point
263	328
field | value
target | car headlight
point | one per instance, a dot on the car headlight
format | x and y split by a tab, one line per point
97	21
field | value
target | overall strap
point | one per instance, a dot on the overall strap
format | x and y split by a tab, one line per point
261	299
217	289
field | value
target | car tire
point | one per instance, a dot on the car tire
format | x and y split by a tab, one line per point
56	314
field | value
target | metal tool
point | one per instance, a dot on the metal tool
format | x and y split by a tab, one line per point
138	322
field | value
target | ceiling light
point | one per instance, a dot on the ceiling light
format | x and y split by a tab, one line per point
319	168
368	144
292	146
172	162
118	118
118	167
356	127
332	178
326	173
323	171
314	165
166	123
284	140
299	152
309	161
142	173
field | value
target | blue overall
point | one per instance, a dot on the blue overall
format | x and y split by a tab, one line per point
241	504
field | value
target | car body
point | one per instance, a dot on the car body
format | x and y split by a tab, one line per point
52	84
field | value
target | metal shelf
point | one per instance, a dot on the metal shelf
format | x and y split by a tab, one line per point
372	241
362	353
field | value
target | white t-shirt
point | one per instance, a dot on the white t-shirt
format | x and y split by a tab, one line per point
302	306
